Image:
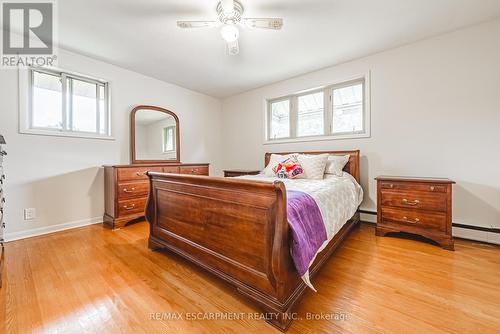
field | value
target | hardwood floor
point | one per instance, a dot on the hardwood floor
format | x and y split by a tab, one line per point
95	280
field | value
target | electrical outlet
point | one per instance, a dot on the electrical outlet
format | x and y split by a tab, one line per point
29	214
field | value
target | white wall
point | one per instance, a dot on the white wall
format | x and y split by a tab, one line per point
61	177
435	108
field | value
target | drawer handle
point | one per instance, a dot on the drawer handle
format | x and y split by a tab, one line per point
129	207
140	173
128	191
432	188
409	221
194	170
391	186
413	203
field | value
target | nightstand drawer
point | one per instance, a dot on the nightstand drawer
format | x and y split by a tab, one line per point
414	200
409	186
415	218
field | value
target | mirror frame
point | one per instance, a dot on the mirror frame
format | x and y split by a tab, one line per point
132	136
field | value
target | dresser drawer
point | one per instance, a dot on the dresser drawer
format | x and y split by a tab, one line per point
409	186
414	200
136	189
194	170
131	206
414	218
136	173
171	169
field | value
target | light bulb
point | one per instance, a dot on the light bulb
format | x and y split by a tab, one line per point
229	33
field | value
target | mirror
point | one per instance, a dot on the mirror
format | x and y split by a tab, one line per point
154	135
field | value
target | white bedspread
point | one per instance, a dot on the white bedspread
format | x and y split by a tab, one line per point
337	197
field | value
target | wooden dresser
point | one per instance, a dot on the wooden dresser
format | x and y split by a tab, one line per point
127	188
415	205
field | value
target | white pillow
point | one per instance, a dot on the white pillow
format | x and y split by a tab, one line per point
313	165
336	164
273	162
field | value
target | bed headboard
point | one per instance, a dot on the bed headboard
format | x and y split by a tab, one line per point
352	166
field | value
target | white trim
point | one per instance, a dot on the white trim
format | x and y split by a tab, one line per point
470	234
317	138
328	89
459	232
74	74
493	238
50	229
24	91
71	134
359	75
367	217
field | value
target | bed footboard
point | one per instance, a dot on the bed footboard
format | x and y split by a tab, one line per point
236	229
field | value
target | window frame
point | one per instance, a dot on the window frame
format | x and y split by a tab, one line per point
296	116
327	112
270	102
26	81
165	138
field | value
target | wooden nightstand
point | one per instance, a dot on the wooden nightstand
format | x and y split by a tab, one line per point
415	205
239	172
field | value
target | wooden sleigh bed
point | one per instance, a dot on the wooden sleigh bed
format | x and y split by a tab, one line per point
238	230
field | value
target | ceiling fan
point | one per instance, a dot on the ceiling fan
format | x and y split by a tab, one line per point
230	17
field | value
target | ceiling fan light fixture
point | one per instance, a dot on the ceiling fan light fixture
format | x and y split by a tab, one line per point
229	33
230	16
227	6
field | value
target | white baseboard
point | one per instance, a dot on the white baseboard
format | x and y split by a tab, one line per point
466	233
484	236
50	229
369	218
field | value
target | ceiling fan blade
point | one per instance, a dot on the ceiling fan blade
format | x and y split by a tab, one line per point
227	6
197	24
232	48
264	23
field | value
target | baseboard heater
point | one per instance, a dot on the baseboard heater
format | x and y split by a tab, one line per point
469	227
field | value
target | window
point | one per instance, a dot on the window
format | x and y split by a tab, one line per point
347	109
61	103
280	119
47	97
332	112
169	139
310	118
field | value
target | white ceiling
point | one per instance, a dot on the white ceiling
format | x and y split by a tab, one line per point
142	36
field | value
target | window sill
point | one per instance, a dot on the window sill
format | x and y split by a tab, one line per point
316	138
41	132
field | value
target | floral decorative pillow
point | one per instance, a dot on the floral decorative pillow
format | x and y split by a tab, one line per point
273	162
289	168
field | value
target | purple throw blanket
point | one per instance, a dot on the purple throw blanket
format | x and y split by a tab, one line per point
308	229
